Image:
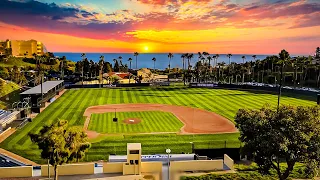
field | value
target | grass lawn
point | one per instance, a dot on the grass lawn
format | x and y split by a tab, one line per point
72	104
151	121
8	90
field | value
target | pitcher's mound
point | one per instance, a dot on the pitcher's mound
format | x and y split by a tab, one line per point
132	121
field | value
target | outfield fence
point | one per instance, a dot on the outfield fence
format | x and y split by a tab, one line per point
204	147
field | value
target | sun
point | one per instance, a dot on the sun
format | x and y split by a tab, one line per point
146	48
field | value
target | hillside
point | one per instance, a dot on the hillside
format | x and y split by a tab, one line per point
8	90
13	61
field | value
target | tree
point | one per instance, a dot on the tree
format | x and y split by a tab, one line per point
284	57
83	56
243	60
229	56
317	55
101	65
60	144
170	55
136	54
254	57
154	63
130	60
116	66
4	73
289	134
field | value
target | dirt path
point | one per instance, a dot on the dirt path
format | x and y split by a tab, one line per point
196	121
7	134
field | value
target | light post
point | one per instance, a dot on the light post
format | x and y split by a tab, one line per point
168	151
192	147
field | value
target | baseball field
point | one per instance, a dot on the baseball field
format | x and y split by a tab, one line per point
164	117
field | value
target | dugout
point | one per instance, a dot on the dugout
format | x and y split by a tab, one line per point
49	90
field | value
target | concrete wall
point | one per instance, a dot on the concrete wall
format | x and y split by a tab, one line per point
69	169
152	168
228	162
199	165
112	167
22	171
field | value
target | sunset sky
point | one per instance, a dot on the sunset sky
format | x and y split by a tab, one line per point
216	26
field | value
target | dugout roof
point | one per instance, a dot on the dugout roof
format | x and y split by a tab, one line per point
46	86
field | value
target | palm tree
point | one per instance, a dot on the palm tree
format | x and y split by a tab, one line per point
317	55
217	56
120	60
136	54
170	55
130	59
254	57
189	57
229	56
182	57
199	55
209	59
83	56
101	63
284	57
243	60
154	64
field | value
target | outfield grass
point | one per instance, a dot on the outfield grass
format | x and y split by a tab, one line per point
73	103
151	121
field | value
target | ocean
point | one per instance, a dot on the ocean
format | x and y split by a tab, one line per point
145	60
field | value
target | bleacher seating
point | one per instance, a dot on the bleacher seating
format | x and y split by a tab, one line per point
7	117
7	163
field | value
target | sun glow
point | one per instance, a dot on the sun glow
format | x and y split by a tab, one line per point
146	48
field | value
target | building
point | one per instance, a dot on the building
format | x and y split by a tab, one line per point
134	167
49	90
21	48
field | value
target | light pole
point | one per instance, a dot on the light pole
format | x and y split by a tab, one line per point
168	151
192	147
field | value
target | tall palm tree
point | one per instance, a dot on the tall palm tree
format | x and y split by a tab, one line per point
254	57
284	56
130	59
217	57
101	63
182	57
83	56
120	60
209	59
170	55
229	56
136	54
243	60
189	57
199	55
154	64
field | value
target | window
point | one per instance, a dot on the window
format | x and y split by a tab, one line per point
137	161
134	151
131	161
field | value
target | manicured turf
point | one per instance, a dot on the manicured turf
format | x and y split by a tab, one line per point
151	121
73	103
